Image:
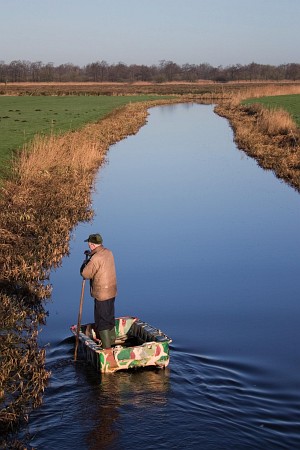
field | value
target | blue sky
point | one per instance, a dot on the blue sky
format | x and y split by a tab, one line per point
218	32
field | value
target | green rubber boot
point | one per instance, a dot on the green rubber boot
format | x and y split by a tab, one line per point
112	334
105	338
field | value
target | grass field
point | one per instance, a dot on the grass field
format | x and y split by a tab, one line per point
23	117
291	103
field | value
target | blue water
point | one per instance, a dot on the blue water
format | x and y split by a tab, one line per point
206	245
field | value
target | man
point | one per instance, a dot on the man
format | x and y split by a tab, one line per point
100	270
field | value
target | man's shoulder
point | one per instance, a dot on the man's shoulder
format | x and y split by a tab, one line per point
102	252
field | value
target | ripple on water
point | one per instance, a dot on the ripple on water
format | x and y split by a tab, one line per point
233	402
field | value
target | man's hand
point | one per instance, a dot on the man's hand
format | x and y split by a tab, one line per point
87	254
83	266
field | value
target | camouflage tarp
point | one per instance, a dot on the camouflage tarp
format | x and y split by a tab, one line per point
137	344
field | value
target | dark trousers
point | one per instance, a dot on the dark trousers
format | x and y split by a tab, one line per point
104	314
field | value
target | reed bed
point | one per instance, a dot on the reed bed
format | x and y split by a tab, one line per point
235	97
23	376
205	87
269	135
274	121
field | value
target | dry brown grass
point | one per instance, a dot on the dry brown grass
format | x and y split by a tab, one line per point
235	97
80	152
270	136
23	376
275	121
209	89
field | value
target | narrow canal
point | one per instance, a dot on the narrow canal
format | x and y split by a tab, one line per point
206	245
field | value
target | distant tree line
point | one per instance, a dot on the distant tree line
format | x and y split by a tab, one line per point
165	71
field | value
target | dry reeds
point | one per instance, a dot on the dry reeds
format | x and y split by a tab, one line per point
269	135
205	88
235	97
23	376
275	121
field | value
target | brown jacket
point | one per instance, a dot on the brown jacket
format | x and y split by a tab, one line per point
101	272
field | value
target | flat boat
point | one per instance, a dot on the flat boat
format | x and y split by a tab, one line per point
137	344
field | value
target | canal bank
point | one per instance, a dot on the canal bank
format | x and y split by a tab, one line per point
278	150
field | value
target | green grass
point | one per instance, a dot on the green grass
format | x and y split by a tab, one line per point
290	103
23	117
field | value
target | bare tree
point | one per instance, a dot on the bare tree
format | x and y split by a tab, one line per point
99	71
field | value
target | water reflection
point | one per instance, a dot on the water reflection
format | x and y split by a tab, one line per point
102	413
140	390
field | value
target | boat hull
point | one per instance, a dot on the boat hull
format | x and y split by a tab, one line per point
138	344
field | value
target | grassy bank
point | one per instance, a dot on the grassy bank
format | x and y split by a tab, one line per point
290	103
22	117
268	134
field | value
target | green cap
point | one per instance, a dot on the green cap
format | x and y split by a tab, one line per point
94	239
